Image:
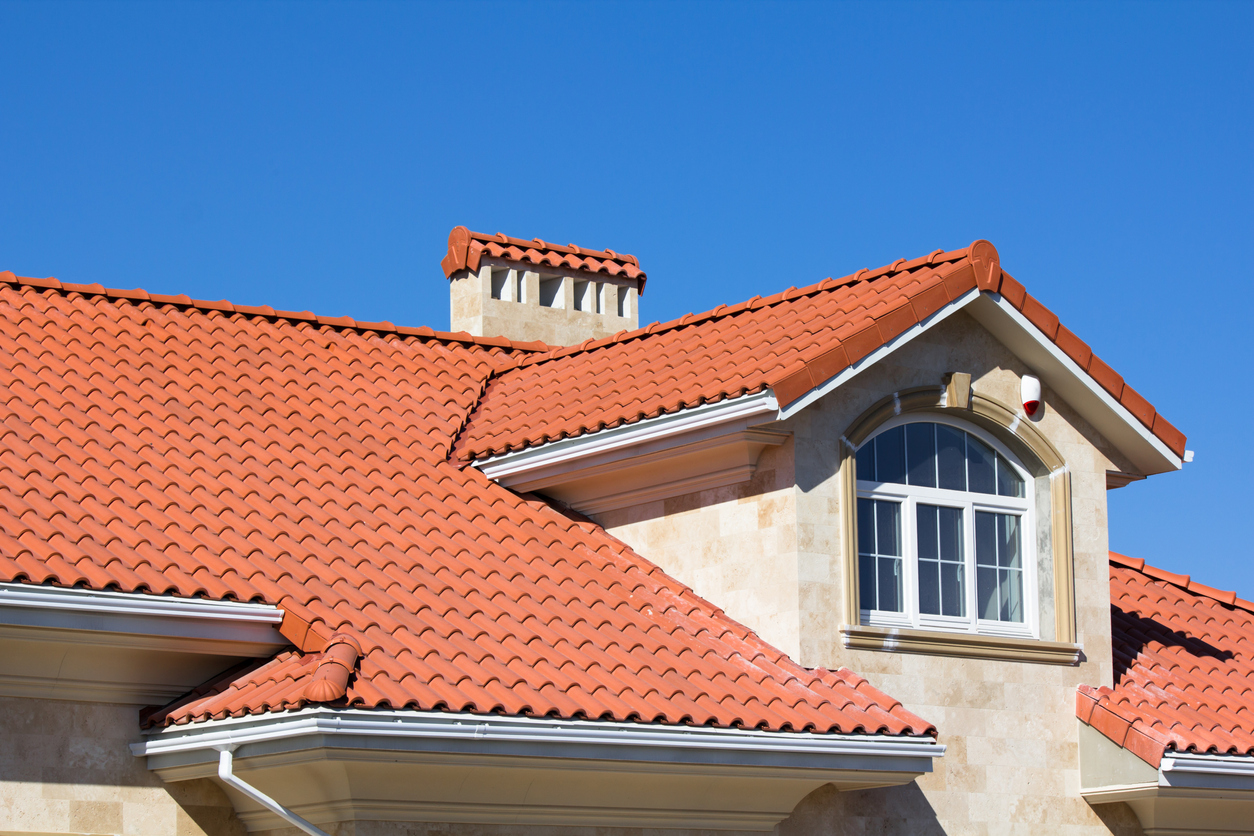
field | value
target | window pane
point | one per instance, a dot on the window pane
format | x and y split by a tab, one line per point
1008	541
921	454
866	526
1008	482
925	517
929	587
866	582
879	560
890	584
953	596
888	526
999	555
951	458
950	533
1011	591
980	469
986	592
985	539
890	456
866	462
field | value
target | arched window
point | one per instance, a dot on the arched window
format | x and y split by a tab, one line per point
945	530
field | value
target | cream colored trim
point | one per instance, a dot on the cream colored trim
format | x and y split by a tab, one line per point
1064	557
1025	440
966	645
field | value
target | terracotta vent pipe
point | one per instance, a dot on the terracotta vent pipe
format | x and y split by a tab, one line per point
330	678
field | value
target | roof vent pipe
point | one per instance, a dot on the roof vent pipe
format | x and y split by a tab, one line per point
226	764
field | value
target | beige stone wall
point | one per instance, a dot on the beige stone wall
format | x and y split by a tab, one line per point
65	767
769	554
472	308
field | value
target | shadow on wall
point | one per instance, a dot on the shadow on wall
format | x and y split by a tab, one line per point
889	810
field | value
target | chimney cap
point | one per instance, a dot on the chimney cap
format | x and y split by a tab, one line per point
466	249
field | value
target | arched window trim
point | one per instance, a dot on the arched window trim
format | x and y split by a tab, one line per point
1040	458
970	503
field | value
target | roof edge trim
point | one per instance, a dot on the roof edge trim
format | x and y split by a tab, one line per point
144	619
851	371
1096	390
568	451
447	731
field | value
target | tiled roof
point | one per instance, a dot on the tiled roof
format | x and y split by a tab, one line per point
466	249
790	342
158	445
1184	666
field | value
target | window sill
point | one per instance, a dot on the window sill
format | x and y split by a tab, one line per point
964	645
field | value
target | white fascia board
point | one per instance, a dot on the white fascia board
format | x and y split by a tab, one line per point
621	440
470	734
879	354
1053	363
157	616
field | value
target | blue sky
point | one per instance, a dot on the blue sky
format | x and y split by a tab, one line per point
315	156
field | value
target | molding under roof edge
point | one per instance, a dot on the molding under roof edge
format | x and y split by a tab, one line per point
709	446
117	647
331	765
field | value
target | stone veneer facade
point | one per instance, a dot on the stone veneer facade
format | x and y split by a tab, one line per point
769	553
66	767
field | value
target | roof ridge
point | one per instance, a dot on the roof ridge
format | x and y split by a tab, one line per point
225	306
1226	597
934	258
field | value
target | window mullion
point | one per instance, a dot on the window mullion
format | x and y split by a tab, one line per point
968	559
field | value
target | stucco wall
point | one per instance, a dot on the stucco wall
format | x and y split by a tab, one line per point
65	768
1013	761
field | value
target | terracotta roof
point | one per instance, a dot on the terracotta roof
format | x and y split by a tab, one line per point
790	342
161	446
466	249
1184	666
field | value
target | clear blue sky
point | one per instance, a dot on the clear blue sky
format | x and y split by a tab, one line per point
315	156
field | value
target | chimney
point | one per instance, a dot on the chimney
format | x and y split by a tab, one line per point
534	290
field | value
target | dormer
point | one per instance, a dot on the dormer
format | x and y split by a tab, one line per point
535	290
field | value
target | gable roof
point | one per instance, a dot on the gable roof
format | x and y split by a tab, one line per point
1184	666
156	445
791	343
466	249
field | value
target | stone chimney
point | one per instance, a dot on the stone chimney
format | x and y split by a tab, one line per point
534	290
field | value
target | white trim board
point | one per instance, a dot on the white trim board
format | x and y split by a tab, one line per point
138	620
448	732
623	439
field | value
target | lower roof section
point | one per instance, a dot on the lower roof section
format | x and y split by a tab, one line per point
331	765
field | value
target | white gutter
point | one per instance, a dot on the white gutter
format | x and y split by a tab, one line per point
157	616
762	405
226	773
359	729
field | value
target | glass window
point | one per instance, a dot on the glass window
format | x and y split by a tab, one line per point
941	513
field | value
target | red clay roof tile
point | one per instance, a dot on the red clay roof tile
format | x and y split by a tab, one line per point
260	457
729	352
466	249
1184	666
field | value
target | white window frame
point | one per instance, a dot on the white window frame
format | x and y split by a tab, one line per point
910	495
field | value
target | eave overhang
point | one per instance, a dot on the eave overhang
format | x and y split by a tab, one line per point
714	444
329	765
1186	793
704	447
123	647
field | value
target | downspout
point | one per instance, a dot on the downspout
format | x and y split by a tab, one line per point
225	764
